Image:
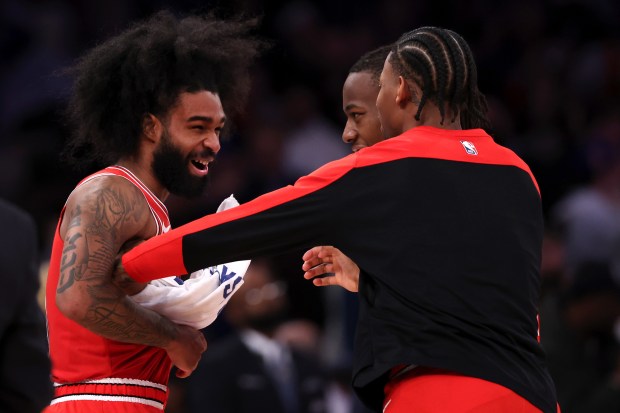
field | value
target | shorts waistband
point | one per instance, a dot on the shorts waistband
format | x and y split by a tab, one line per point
113	390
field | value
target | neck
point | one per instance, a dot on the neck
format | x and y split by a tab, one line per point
456	125
430	116
145	174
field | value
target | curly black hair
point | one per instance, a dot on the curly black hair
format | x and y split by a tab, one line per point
372	62
144	69
441	62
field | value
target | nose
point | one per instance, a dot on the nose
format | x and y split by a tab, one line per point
212	142
349	134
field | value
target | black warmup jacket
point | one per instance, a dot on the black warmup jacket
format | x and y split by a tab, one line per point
446	227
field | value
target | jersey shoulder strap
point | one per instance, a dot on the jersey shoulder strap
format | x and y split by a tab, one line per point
158	209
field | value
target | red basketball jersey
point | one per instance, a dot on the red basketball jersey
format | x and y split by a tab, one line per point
77	354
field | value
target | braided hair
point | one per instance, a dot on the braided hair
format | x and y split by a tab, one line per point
144	70
442	64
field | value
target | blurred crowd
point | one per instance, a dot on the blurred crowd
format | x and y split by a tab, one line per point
551	73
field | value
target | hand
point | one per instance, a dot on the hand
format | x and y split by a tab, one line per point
185	351
327	259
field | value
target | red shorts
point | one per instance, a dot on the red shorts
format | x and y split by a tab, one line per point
109	395
431	390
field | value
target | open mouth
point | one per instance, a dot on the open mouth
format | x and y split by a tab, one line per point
199	166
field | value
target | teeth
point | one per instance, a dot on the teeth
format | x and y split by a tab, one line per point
200	164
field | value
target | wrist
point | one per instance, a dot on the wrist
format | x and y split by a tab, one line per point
170	339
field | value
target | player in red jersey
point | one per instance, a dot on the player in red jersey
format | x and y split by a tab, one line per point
446	228
150	105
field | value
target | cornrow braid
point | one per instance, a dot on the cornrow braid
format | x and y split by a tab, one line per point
441	62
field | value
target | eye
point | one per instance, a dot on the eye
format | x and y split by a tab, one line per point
356	115
198	127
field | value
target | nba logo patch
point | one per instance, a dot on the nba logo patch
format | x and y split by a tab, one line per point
469	148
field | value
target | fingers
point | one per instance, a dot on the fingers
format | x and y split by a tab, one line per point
312	252
325	281
319	270
313	263
321	251
317	256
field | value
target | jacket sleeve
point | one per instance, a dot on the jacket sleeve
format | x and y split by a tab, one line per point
292	217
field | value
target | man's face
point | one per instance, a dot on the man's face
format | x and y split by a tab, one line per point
387	105
359	96
189	142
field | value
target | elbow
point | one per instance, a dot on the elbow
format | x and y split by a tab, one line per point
70	306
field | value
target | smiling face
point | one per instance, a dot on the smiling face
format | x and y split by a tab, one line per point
190	141
359	96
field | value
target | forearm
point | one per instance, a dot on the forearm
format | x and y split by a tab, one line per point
97	224
111	314
272	224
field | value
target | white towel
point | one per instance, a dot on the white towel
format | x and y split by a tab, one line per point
198	301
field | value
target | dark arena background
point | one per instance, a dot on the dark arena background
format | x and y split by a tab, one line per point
550	70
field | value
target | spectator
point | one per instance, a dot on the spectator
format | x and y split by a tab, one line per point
25	384
252	371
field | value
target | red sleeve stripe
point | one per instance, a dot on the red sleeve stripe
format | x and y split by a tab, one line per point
170	244
418	142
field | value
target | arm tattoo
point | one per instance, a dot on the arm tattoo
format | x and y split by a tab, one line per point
69	255
88	261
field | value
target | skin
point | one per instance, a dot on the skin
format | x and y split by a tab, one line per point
359	95
397	102
109	214
329	259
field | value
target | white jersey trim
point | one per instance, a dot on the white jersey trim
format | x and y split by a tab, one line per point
107	398
113	380
158	222
162	227
141	184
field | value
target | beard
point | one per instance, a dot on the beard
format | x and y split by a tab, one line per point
171	169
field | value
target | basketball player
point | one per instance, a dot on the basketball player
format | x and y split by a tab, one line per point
445	225
359	96
362	129
150	104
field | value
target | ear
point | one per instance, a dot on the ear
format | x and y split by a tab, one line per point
152	128
403	95
407	92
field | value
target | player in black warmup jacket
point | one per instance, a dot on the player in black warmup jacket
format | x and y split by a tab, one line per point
445	225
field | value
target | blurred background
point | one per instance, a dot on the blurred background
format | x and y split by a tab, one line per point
550	70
